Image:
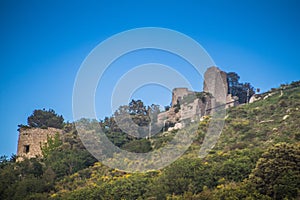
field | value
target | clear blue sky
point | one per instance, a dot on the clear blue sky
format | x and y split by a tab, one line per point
43	43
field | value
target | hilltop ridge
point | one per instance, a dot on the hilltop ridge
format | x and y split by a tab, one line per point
257	157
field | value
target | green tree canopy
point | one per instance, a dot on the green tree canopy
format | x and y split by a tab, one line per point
242	90
45	118
277	173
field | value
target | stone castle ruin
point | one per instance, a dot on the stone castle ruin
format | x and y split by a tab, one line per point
32	139
186	105
190	105
179	93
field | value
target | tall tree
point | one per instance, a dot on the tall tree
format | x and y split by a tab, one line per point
242	90
137	107
233	81
45	118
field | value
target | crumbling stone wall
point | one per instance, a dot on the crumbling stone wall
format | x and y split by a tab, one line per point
195	109
179	93
32	139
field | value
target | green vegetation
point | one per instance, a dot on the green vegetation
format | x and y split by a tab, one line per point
242	90
256	157
203	96
45	118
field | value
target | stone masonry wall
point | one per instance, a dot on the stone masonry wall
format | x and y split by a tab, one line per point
215	83
31	140
179	93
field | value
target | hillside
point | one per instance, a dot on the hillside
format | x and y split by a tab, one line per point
256	157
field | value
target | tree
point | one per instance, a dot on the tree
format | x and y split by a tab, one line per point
137	108
51	145
153	112
138	146
23	180
277	173
183	175
237	191
233	81
242	90
66	157
45	118
135	119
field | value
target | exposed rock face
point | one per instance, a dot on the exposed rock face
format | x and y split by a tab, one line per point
176	127
254	98
32	139
231	101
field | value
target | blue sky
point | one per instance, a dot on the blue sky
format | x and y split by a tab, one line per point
43	44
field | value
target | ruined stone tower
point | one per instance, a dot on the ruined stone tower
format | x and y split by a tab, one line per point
32	139
215	83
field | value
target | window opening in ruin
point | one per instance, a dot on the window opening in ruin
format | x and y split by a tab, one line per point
26	148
